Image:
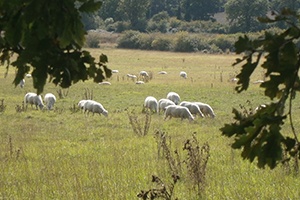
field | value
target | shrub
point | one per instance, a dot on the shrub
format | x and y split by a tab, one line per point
146	41
92	40
184	43
161	44
129	39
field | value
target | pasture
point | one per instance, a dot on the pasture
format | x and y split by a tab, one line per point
64	154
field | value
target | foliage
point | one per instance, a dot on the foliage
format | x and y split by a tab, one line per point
200	9
259	135
49	45
129	39
196	162
243	14
161	44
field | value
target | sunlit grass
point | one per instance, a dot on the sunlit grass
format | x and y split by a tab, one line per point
64	154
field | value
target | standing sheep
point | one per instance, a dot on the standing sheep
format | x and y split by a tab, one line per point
193	108
178	112
33	99
173	96
94	107
183	74
22	83
49	100
206	109
163	103
151	103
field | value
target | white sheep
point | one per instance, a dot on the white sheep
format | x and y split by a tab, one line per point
94	107
173	96
183	74
114	71
162	72
28	75
104	83
33	99
49	100
151	103
81	104
163	103
139	82
206	109
193	108
22	83
131	76
144	74
177	111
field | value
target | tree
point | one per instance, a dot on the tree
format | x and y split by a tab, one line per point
47	38
200	9
243	14
259	134
135	11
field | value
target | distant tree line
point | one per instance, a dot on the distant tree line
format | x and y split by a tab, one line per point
144	15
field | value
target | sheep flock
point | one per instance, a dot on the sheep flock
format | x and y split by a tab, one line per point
170	105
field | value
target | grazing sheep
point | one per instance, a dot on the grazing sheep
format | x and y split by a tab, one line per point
22	83
193	108
163	103
49	100
104	83
114	71
173	96
144	74
28	75
94	107
162	72
33	99
81	104
178	112
206	109
131	76
183	74
139	82
151	103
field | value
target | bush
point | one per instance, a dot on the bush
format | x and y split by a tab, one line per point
129	39
184	43
92	40
161	44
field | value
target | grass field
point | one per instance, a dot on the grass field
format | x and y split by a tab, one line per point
64	154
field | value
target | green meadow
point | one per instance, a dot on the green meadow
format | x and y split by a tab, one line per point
66	154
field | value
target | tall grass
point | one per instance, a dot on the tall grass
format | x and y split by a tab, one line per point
65	154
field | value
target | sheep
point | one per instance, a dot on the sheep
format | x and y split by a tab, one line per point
177	111
162	72
151	103
163	103
131	76
49	100
114	71
28	75
139	82
94	107
206	109
173	96
81	104
33	99
183	74
144	74
22	83
104	83
193	108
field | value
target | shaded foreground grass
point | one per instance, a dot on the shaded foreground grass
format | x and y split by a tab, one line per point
63	154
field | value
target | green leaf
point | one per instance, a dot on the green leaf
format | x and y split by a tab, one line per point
90	6
103	58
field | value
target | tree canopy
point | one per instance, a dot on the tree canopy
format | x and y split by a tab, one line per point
259	134
46	37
